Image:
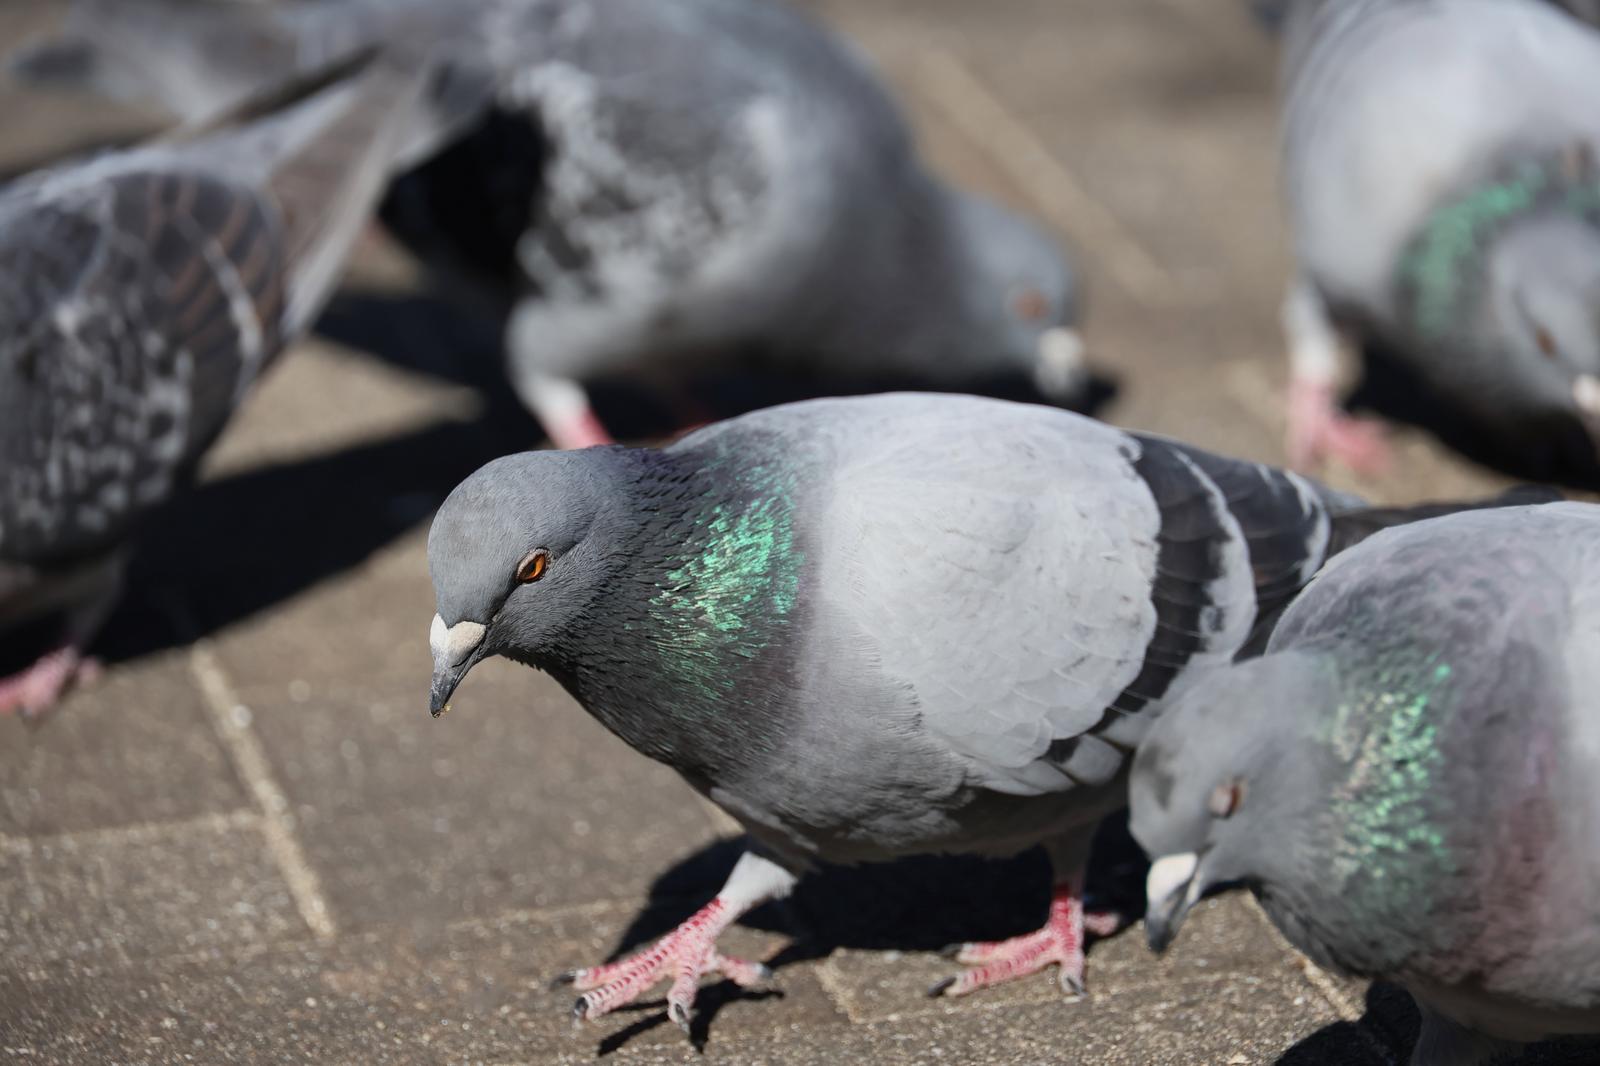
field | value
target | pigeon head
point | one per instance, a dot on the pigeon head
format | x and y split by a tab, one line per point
1544	278
1216	772
1028	297
517	553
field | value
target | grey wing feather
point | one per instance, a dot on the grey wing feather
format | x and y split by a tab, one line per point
158	284
1044	515
200	59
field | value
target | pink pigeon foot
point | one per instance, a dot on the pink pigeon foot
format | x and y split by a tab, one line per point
35	690
1060	942
683	956
1319	430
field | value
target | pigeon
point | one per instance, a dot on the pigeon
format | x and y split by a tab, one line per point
1445	208
1405	779
1271	15
876	627
144	293
661	188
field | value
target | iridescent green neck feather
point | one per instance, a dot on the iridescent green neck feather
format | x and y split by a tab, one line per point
1389	851
729	594
1441	275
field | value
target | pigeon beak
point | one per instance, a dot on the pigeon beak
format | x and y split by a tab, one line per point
1061	371
455	649
1170	890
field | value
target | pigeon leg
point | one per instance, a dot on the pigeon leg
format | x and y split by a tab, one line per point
562	408
36	689
689	952
1060	942
1318	428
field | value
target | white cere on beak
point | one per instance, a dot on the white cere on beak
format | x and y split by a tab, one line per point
452	644
1586	394
1061	364
1170	875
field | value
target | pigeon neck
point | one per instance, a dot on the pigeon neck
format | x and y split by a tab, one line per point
1442	276
693	626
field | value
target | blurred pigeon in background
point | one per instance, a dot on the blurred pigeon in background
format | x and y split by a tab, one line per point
143	293
1445	203
876	627
1407	779
663	186
1272	14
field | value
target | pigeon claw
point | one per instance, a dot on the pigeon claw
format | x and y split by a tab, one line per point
939	988
1059	943
1320	430
684	956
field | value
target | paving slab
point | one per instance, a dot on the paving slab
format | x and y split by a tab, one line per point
136	749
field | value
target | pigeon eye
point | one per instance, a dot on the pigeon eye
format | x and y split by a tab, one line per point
1546	343
533	566
1031	305
1226	798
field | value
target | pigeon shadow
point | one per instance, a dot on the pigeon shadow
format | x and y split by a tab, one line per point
239	544
442	338
1559	452
1387	1031
924	903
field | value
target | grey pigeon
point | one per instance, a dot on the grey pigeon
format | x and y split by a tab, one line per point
1407	779
1273	14
662	186
876	627
141	295
1445	203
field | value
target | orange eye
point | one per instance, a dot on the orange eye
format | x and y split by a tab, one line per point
1226	798
533	566
1031	305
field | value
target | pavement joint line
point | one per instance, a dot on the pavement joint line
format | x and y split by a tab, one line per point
1007	141
213	821
1050	992
833	986
230	718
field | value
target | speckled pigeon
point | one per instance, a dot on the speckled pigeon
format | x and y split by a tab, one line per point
876	627
663	186
141	294
1445	203
1407	778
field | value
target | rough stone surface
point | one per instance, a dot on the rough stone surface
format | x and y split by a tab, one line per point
249	843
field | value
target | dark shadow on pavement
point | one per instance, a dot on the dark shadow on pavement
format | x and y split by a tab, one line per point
1388	1031
432	335
1560	452
240	544
917	904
